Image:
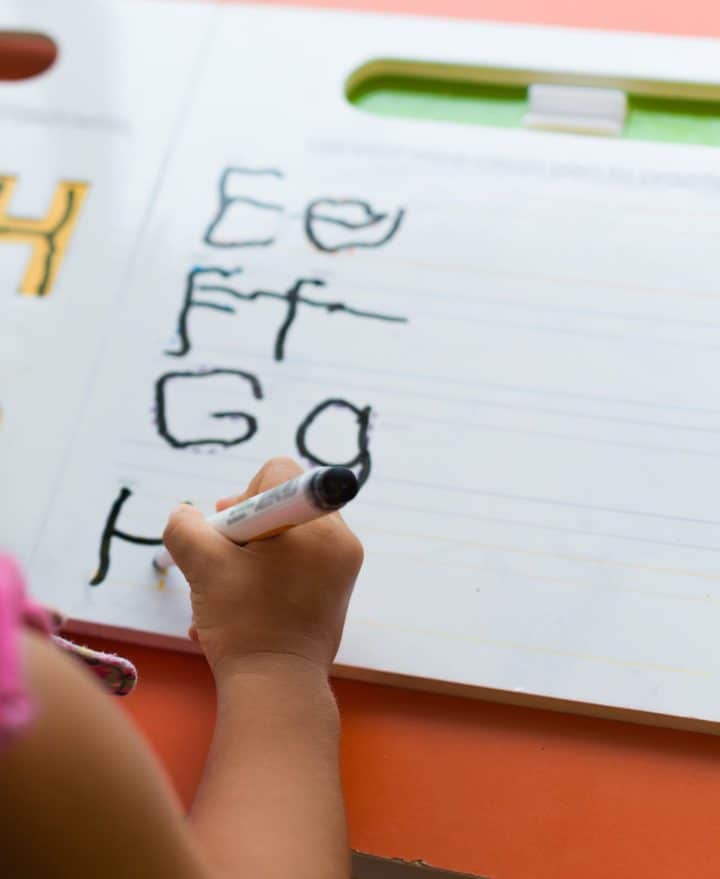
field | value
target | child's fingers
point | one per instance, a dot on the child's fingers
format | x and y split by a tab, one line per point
273	472
191	541
226	502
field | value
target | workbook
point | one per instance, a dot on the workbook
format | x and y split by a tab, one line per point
221	240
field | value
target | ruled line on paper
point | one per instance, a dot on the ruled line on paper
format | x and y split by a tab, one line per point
577	438
491	404
445	487
233	454
577	332
485	642
527	579
481	270
531	648
470	491
444	379
557	502
589	206
185	474
577	557
605	336
170	501
473	383
563	280
373	287
566	413
560	529
529	305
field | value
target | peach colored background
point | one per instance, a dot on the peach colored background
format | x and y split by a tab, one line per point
696	17
505	792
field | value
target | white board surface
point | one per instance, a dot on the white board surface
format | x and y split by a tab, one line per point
526	325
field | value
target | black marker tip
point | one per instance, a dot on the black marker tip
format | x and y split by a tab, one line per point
334	487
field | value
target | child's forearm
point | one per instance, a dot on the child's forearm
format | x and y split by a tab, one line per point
270	803
269	617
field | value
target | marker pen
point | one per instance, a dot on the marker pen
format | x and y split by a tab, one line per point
302	499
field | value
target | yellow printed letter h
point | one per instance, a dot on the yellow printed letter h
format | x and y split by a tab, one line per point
48	236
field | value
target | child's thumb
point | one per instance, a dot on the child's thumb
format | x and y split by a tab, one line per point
189	539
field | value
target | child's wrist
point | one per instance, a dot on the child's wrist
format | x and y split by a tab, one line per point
287	676
267	663
277	697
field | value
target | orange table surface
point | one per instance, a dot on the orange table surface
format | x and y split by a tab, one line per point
508	793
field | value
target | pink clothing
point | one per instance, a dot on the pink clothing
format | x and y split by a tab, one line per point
19	611
16	611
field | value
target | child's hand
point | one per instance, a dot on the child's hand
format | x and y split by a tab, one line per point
286	595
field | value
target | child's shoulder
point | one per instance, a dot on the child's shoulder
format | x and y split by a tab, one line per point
86	795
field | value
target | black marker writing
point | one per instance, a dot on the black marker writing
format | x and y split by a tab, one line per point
334	224
197	285
262	214
111	530
362	420
170	378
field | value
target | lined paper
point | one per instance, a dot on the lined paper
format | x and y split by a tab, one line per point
512	336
